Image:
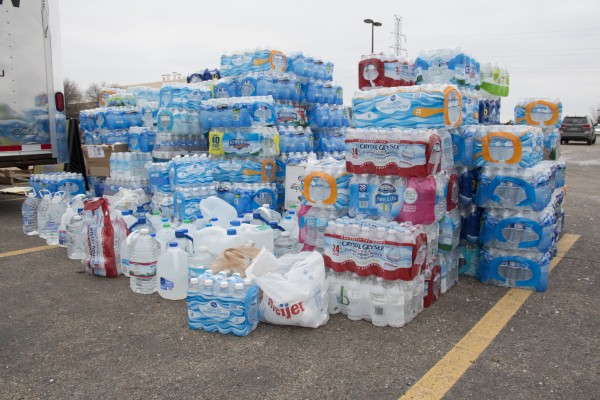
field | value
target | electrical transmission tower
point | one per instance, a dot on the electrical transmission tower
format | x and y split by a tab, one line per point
398	37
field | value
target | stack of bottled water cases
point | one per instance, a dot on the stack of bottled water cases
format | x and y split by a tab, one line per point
191	181
325	198
127	170
221	303
179	131
544	113
522	198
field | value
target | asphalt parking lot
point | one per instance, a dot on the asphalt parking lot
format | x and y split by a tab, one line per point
66	334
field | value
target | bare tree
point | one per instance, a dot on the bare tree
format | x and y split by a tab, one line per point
92	93
73	98
595	113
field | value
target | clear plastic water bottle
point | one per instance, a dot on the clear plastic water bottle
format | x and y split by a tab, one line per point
29	214
202	257
54	214
75	239
42	212
144	251
285	244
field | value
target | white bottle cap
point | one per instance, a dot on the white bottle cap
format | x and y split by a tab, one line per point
239	286
224	284
208	282
194	281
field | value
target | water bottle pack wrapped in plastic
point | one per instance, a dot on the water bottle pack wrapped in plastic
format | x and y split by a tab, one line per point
495	79
381	70
388	250
187	96
417	200
330	142
290	114
296	139
203	75
129	165
57	181
158	174
217	303
516	188
264	60
470	104
123	99
186	200
190	171
326	184
540	112
145	95
178	121
447	66
256	141
403	152
312	223
244	169
463	145
112	118
518	229
247	197
524	270
325	116
141	139
168	146
508	145
489	110
384	303
427	106
112	185
238	112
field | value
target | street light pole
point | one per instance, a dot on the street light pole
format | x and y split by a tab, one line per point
373	25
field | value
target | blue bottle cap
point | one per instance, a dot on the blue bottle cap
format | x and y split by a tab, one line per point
231	232
215	219
173	244
235	223
125	212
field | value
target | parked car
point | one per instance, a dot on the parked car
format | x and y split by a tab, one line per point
577	128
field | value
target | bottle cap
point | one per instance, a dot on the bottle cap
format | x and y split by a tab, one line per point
77	218
166	225
231	232
194	281
224	284
285	234
144	231
239	286
187	221
235	223
215	219
208	282
173	244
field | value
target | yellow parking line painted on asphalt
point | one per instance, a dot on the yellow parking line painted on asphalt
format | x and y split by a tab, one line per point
29	250
446	372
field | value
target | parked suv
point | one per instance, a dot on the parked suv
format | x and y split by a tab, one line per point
577	128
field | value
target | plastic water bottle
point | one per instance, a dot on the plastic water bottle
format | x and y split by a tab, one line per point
144	251
202	257
29	214
42	213
285	244
165	236
75	239
54	214
172	273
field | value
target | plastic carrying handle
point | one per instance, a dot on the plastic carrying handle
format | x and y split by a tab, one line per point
77	184
519	220
533	266
527	188
327	178
516	142
529	121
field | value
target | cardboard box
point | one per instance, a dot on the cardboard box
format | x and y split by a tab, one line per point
97	157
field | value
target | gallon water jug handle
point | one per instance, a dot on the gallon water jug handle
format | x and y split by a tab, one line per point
516	142
77	183
533	266
519	220
529	191
44	192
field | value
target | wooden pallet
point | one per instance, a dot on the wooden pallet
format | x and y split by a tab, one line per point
12	176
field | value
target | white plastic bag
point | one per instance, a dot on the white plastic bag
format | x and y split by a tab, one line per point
294	288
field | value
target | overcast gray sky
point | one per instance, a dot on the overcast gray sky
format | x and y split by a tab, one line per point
552	48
